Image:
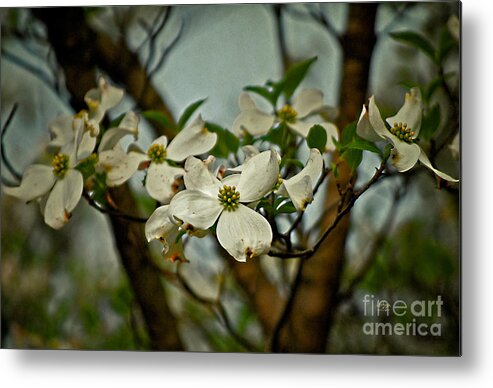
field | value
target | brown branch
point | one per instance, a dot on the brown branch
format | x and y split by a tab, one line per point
377	244
262	294
307	321
111	212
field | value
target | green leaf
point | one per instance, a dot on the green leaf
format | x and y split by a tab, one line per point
270	91
432	87
317	138
87	166
348	134
431	122
286	208
276	89
189	111
416	40
335	169
364	145
353	158
246	139
446	44
294	75
227	142
158	118
261	91
276	135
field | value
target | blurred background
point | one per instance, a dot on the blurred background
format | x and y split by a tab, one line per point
68	289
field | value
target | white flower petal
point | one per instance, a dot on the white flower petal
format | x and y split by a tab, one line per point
454	147
307	102
249	151
160	224
195	139
332	132
231	180
404	155
63	199
86	145
259	176
410	113
300	192
244	233
364	129
301	128
61	132
128	126
312	169
37	180
102	98
199	177
196	208
161	140
300	187
119	165
161	181
110	95
424	159
329	113
246	102
251	119
376	120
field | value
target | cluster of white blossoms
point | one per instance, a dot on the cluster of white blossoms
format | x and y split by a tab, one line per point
59	187
307	103
402	132
197	193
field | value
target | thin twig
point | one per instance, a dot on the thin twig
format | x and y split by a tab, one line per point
318	17
307	253
34	70
5	127
217	307
112	212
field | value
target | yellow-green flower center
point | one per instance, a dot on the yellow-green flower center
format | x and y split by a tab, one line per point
60	164
278	183
229	197
403	132
157	153
287	114
93	104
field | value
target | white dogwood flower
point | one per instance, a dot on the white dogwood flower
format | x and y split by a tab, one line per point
299	188
101	99
162	174
402	132
307	103
63	130
161	226
86	122
240	230
129	125
59	187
